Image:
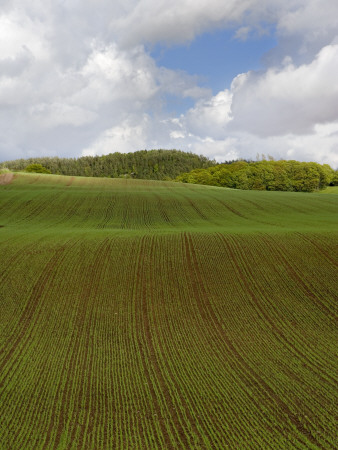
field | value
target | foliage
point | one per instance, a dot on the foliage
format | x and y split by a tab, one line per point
334	181
4	170
264	175
37	168
153	164
146	315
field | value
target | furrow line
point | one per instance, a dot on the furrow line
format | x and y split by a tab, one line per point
278	333
139	296
207	312
309	293
172	379
325	253
32	306
177	426
276	330
242	362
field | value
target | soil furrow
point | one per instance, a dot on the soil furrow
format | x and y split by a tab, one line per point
255	376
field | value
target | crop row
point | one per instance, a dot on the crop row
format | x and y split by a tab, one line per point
51	202
170	341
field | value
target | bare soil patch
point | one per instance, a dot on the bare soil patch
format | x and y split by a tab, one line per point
6	178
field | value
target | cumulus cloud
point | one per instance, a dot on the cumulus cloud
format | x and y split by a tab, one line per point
55	114
124	138
42	94
288	100
77	78
176	21
210	117
315	20
18	33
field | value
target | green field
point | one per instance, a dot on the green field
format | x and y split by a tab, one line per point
331	190
145	314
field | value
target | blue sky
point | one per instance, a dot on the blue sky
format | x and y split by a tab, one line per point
224	79
216	57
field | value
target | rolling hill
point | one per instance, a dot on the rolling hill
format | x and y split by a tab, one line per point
149	314
142	164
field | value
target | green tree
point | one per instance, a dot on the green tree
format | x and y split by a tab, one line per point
37	168
334	181
265	175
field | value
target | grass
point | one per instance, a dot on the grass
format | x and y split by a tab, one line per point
330	190
143	314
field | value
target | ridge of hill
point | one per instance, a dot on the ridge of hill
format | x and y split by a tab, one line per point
150	314
50	201
144	164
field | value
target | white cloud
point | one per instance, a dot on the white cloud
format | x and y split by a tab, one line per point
242	33
176	21
125	137
77	76
55	114
12	67
219	149
176	134
314	22
40	93
288	100
313	19
210	117
112	75
18	33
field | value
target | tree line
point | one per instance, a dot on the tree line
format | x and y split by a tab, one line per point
265	175
145	164
187	167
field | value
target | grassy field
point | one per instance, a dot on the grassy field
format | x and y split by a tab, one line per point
142	315
331	190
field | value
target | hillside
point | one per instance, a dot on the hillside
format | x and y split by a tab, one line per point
150	314
143	164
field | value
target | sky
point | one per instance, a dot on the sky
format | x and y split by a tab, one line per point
225	79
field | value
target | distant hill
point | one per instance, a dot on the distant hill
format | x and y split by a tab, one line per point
144	164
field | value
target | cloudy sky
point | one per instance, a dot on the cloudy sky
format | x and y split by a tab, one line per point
227	79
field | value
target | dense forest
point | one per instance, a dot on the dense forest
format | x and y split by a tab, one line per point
186	167
265	175
145	164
